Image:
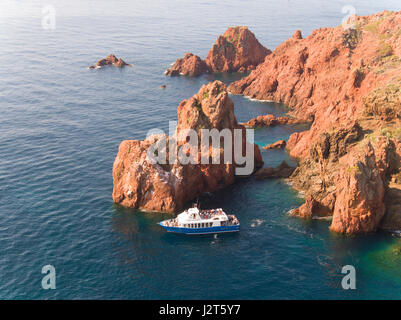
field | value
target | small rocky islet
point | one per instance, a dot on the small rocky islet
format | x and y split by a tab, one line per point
344	82
110	60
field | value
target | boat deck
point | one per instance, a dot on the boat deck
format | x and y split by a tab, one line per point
197	221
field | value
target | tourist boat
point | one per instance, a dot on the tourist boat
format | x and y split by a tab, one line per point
195	221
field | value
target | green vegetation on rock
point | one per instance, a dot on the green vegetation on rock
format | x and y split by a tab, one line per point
385	50
384	102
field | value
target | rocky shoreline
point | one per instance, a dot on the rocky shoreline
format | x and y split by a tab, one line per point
270	120
345	82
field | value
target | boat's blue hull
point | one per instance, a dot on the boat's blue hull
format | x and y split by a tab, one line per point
221	229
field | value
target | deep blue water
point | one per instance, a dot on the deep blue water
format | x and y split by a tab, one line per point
60	127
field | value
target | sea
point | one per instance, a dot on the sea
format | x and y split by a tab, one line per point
60	128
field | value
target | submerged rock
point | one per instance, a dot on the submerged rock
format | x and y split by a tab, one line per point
140	183
111	60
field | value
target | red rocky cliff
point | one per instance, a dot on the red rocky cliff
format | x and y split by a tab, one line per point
237	50
139	183
335	78
270	120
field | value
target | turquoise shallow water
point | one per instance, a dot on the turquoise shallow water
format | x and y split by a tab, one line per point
60	127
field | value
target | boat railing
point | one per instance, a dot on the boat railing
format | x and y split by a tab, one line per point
171	223
210	214
205	215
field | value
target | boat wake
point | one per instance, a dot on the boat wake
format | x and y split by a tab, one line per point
256	223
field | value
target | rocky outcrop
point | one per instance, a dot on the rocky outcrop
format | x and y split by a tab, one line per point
315	173
326	76
360	191
280	144
270	120
310	209
346	175
392	217
334	144
346	81
237	50
281	171
384	102
154	185
361	200
191	65
111	60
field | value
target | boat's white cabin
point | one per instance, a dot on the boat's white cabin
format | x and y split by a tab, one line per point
195	215
195	218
